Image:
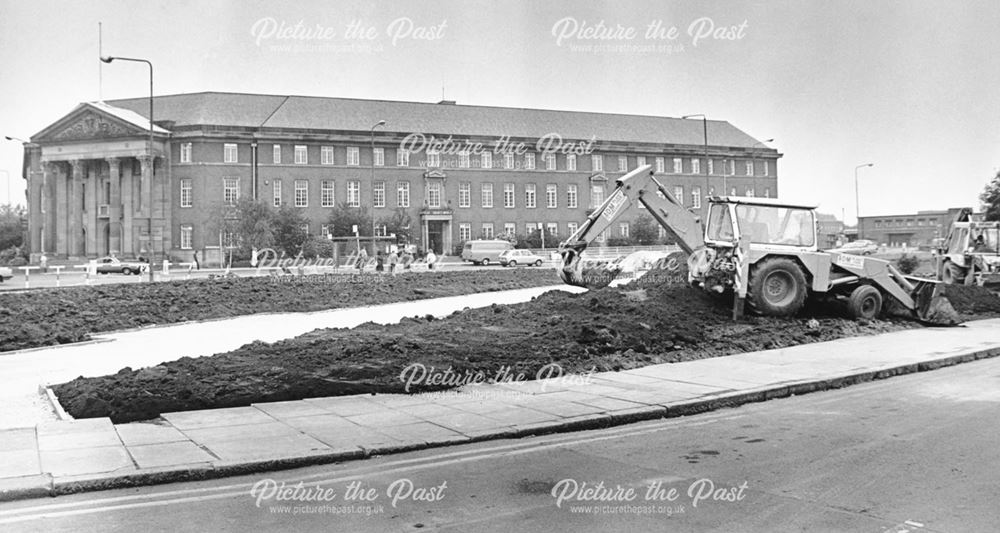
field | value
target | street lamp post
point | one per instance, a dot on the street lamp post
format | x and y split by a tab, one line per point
753	161
857	196
371	133
704	131
149	151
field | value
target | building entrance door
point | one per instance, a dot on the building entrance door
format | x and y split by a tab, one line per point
435	236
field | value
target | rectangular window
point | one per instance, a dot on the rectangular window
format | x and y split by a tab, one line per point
640	161
465	194
402	194
508	160
571	227
767	168
354	193
487	232
486	160
434	194
597	163
463	159
731	167
711	166
326	155
486	196
301	193
353	156
750	192
660	165
230	190
509	229
402	158
695	165
508	195
305	228
749	168
276	154
550	162
229	239
229	153
696	197
324	230
622	163
185	193
187	234
679	194
678	165
529	161
767	193
529	195
623	230
530	228
571	162
378	194
552	228
185	152
276	193
326	197
464	231
301	155
596	195
551	196
571	196
433	158
379	157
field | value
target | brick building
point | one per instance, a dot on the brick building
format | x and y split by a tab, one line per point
95	186
911	230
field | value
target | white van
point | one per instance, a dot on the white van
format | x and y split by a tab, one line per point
484	252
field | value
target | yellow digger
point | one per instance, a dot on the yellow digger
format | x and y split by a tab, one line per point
763	250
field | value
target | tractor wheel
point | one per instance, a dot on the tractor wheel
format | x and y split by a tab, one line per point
953	274
777	287
865	302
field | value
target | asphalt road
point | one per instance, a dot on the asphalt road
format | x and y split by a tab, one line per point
913	453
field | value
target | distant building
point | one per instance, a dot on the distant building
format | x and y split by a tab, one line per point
916	230
829	231
95	187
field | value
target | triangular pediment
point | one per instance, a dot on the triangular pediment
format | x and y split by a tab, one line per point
599	176
92	121
435	173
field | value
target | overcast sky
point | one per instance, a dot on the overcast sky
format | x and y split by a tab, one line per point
911	86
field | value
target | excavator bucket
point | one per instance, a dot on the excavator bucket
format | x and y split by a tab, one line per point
932	306
590	274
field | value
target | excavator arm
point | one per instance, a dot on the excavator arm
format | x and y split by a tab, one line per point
640	186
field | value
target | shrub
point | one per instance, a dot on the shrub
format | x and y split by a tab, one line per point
907	263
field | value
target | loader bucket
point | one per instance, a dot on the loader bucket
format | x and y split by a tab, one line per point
932	306
590	274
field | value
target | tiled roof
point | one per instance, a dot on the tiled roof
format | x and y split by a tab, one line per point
348	114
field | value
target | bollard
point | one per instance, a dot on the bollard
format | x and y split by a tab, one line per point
27	281
58	269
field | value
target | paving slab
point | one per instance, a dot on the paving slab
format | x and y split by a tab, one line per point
17	463
77	434
77	461
169	454
265	448
18	439
384	417
519	417
141	433
463	422
230	416
290	409
346	405
423	433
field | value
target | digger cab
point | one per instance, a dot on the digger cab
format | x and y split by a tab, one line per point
765	223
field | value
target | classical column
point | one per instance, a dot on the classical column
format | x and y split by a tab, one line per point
128	210
50	175
73	197
61	212
114	208
93	200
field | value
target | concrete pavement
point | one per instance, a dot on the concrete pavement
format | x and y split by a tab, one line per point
76	455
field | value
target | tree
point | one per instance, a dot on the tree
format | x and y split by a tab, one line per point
11	231
644	231
990	198
242	226
289	237
399	223
343	219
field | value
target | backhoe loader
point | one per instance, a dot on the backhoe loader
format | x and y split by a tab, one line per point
762	250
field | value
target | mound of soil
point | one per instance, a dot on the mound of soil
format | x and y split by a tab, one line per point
56	316
605	329
971	301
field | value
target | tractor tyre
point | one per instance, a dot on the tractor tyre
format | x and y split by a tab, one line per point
777	287
865	302
953	274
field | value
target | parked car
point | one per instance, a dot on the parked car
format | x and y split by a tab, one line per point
858	247
6	273
113	265
520	257
484	252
